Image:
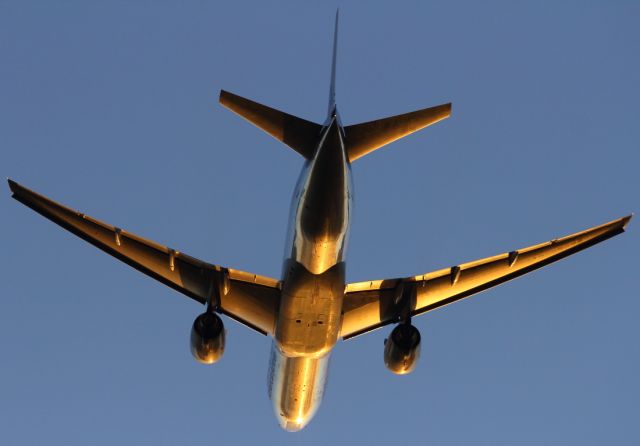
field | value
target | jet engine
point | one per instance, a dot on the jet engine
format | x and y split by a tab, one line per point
207	338
402	349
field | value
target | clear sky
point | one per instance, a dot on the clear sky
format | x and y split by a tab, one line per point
111	108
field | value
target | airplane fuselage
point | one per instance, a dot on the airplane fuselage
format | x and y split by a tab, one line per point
313	281
310	307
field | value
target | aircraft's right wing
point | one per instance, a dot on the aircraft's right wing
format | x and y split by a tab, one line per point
248	298
373	304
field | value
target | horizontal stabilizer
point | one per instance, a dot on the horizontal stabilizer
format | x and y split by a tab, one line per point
361	139
299	134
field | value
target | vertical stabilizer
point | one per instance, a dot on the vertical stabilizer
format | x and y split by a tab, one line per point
332	87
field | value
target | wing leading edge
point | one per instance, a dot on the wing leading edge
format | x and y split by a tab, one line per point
373	304
248	298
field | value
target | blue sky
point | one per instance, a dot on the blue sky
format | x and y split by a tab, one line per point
112	109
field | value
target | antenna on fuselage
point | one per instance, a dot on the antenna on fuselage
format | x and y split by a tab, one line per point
332	86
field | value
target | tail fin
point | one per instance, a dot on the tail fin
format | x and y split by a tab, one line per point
364	138
299	134
332	86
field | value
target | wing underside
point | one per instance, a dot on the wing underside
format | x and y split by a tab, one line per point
248	298
373	304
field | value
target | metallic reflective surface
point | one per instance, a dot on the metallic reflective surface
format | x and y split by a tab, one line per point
402	349
322	204
207	338
372	304
313	282
311	307
369	136
296	386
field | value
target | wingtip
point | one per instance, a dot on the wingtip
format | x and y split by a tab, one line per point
226	99
444	109
12	185
221	96
626	220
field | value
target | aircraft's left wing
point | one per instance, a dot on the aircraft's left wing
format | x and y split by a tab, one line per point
373	304
248	298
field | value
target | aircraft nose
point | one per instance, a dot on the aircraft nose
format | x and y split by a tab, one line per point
292	425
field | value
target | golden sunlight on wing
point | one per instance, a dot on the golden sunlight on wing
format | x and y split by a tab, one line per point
370	305
245	297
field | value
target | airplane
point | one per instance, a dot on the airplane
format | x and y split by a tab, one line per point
312	306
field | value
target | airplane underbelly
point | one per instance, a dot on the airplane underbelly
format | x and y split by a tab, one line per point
310	311
319	253
296	387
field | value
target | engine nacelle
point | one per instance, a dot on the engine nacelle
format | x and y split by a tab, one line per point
402	349
207	338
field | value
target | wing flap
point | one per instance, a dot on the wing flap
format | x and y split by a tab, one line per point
370	305
247	298
253	305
